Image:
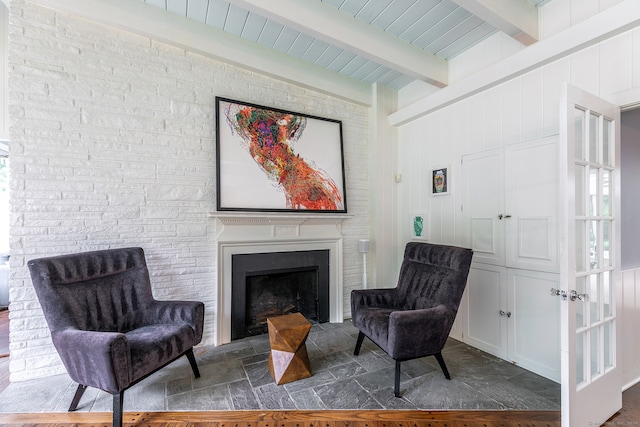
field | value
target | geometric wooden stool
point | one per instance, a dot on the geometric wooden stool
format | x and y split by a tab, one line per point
288	360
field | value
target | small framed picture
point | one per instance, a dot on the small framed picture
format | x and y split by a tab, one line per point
440	180
420	226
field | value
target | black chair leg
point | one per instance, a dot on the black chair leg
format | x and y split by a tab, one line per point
358	344
76	397
192	362
118	400
396	387
440	360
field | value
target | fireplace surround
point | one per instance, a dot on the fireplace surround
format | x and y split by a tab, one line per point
249	233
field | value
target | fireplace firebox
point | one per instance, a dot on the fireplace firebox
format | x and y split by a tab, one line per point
271	284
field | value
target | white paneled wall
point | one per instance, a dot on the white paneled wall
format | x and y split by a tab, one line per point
113	144
628	334
521	109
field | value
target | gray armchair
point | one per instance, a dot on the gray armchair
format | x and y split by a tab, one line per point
414	319
105	324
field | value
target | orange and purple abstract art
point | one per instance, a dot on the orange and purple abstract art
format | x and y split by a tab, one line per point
268	137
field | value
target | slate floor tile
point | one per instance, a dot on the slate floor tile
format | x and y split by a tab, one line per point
215	398
242	395
346	394
235	376
272	396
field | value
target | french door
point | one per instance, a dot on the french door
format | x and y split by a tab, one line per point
590	258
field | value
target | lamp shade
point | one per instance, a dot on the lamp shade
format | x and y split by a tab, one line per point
363	246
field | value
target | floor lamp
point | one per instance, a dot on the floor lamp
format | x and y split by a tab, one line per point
363	245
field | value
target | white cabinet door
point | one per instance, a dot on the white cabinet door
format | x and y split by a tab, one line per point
511	205
534	335
483	206
531	198
486	318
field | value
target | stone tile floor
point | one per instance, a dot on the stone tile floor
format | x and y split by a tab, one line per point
235	376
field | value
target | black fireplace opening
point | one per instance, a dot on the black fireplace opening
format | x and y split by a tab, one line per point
272	284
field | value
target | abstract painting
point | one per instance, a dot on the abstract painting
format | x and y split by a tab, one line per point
269	159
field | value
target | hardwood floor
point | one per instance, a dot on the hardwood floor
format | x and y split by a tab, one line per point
629	415
384	418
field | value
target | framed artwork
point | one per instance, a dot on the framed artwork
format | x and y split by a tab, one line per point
420	226
277	161
440	180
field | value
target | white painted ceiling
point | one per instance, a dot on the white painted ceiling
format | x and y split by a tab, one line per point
391	42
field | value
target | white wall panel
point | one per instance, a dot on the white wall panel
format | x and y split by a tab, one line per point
628	332
635	58
604	4
511	111
532	105
615	64
493	118
461	130
476	122
583	9
446	203
585	69
554	75
555	17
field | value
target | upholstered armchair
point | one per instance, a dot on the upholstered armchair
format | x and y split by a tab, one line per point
414	319
105	324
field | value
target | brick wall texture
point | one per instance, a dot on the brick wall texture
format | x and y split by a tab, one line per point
113	145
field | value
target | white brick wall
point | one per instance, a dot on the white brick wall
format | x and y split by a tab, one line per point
112	145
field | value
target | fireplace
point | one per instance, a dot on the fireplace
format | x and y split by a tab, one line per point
276	283
244	233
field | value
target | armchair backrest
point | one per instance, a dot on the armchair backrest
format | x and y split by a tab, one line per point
431	275
95	291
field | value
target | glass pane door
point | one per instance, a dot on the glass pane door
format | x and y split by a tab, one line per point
594	241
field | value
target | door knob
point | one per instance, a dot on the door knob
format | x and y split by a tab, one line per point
573	295
557	292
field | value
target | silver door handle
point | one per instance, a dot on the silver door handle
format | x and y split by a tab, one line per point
573	295
557	292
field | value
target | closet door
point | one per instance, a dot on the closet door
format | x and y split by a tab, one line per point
486	320
534	336
483	207
531	200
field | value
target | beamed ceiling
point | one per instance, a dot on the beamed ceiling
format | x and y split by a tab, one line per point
390	42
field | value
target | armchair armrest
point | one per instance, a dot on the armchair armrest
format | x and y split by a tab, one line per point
383	298
88	353
189	312
417	333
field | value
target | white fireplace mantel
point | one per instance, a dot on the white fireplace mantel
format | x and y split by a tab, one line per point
268	218
262	232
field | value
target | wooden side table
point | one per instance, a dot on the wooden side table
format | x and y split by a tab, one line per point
288	360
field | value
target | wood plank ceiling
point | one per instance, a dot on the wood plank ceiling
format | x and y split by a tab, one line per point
390	42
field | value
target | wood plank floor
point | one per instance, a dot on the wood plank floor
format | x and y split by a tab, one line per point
379	418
